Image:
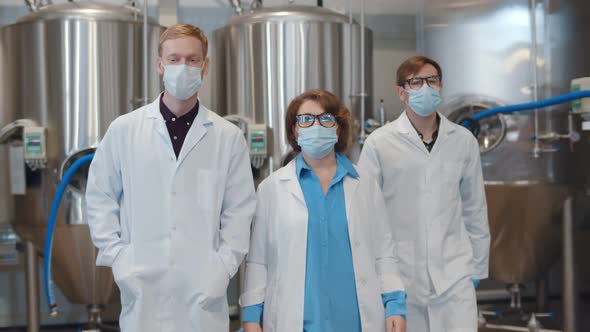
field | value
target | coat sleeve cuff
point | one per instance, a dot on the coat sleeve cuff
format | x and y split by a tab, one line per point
253	313
395	303
252	297
108	256
476	282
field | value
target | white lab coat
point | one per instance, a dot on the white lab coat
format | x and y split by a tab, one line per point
275	266
173	230
436	203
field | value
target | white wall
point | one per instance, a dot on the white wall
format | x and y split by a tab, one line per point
394	40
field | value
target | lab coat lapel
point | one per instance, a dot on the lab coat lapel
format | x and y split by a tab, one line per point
445	128
350	187
153	113
288	177
407	130
196	132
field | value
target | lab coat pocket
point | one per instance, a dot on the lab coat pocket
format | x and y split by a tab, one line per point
124	275
218	279
206	188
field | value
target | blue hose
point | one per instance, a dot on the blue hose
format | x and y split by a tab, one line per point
63	184
532	105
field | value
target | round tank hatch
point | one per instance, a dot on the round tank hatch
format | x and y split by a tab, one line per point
492	129
290	13
86	10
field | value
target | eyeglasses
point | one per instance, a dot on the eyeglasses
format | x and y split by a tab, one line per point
327	120
416	83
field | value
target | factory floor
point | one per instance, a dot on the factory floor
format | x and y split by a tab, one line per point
234	326
515	318
510	318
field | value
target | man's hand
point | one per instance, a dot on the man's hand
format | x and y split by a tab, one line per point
255	327
396	324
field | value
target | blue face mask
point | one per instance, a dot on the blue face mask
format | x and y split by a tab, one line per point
317	141
425	100
182	81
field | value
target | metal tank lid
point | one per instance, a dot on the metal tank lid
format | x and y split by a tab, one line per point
86	10
290	13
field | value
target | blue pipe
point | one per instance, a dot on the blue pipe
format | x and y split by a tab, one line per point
61	188
532	105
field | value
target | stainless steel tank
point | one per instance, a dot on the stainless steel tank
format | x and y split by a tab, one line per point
501	52
6	199
268	57
71	68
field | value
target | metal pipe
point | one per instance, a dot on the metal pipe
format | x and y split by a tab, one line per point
257	4
541	294
514	328
363	93
168	12
534	53
145	52
515	296
569	277
94	314
237	6
32	4
420	27
31	273
381	113
351	71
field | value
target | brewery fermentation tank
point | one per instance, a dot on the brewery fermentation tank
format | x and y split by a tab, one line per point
506	52
68	70
270	56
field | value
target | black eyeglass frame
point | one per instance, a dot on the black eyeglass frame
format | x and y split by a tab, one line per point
316	117
424	79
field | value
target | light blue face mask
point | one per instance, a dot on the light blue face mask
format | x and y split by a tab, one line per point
182	81
317	141
425	100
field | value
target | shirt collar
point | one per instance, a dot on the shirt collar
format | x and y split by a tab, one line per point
434	134
168	115
344	167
